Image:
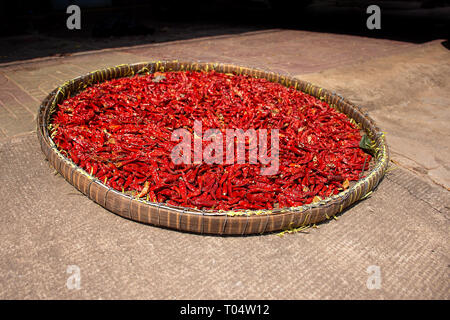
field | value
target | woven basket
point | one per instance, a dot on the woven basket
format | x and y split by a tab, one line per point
198	221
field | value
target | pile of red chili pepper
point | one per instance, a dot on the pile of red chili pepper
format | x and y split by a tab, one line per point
120	131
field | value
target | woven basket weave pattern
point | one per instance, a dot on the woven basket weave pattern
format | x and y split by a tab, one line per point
198	221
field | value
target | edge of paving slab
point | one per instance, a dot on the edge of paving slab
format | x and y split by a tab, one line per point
141	46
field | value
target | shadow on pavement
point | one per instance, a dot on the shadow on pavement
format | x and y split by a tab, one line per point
37	29
446	44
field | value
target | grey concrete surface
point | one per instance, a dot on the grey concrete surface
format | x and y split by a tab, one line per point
402	228
48	225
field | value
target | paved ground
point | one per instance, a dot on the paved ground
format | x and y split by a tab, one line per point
402	228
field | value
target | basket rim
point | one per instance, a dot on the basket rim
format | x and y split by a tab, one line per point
343	199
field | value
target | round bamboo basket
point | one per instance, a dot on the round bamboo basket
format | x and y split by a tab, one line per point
209	222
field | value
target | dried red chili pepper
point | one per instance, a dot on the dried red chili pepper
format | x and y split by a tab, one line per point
120	132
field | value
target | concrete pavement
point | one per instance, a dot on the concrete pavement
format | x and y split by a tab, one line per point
402	228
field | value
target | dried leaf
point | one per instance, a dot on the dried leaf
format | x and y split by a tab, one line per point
346	184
